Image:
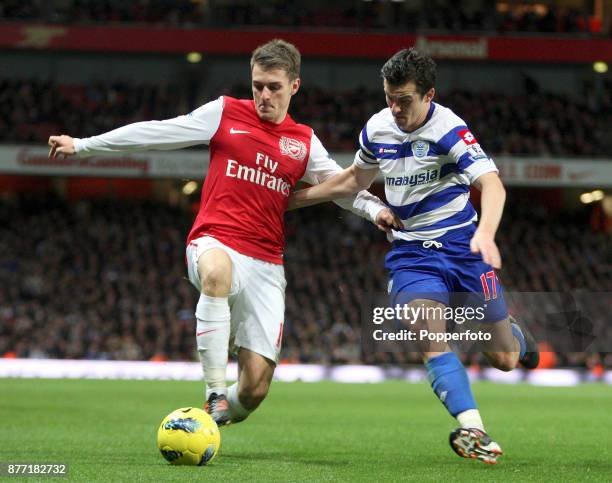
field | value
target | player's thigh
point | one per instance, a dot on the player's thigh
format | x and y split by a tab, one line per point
215	271
418	287
479	307
210	267
413	284
475	285
258	311
415	274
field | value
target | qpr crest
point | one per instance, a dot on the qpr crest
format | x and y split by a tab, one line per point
420	149
293	148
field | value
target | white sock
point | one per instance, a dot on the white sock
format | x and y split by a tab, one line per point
212	336
470	419
239	412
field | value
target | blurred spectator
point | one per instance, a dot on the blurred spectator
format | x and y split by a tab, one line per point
30	110
106	279
441	16
166	12
538	124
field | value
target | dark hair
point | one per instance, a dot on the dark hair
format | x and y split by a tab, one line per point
408	65
278	54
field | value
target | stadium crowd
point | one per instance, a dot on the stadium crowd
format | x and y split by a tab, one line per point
102	279
535	123
438	16
30	110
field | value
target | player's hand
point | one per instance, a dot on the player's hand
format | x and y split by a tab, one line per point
387	220
484	244
61	145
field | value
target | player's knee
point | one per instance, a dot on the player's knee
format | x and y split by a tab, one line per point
216	284
252	397
216	273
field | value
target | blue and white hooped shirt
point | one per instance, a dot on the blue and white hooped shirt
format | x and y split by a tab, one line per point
427	172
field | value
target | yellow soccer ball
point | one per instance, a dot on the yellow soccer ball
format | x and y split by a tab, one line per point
188	436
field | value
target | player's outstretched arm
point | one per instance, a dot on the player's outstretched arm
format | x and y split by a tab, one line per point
492	206
345	183
176	133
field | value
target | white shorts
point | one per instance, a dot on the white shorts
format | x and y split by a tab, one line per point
256	298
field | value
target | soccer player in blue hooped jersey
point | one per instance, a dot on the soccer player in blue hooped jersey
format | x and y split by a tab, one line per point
429	158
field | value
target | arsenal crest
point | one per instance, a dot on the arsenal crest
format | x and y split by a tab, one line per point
293	148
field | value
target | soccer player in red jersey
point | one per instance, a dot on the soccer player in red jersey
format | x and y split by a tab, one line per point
234	250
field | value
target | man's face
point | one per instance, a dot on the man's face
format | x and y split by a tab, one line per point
409	108
272	91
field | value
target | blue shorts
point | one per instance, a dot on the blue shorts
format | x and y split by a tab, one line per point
448	273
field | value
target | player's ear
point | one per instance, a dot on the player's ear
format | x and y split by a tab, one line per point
295	85
430	94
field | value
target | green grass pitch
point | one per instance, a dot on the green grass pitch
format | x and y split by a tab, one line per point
105	431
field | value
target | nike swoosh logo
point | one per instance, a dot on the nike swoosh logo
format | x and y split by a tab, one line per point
238	131
204	332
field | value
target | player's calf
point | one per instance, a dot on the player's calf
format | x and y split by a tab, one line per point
237	406
254	379
530	353
512	343
252	396
213	315
212	341
504	361
251	399
242	402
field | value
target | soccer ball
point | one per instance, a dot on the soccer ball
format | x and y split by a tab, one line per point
188	436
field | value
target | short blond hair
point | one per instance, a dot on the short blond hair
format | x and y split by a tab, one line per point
278	54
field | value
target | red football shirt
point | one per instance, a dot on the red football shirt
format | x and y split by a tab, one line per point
254	166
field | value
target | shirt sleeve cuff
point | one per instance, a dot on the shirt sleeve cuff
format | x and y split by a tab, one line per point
360	162
78	146
375	210
474	171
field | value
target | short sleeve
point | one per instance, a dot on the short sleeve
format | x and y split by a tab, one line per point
463	148
320	165
365	157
